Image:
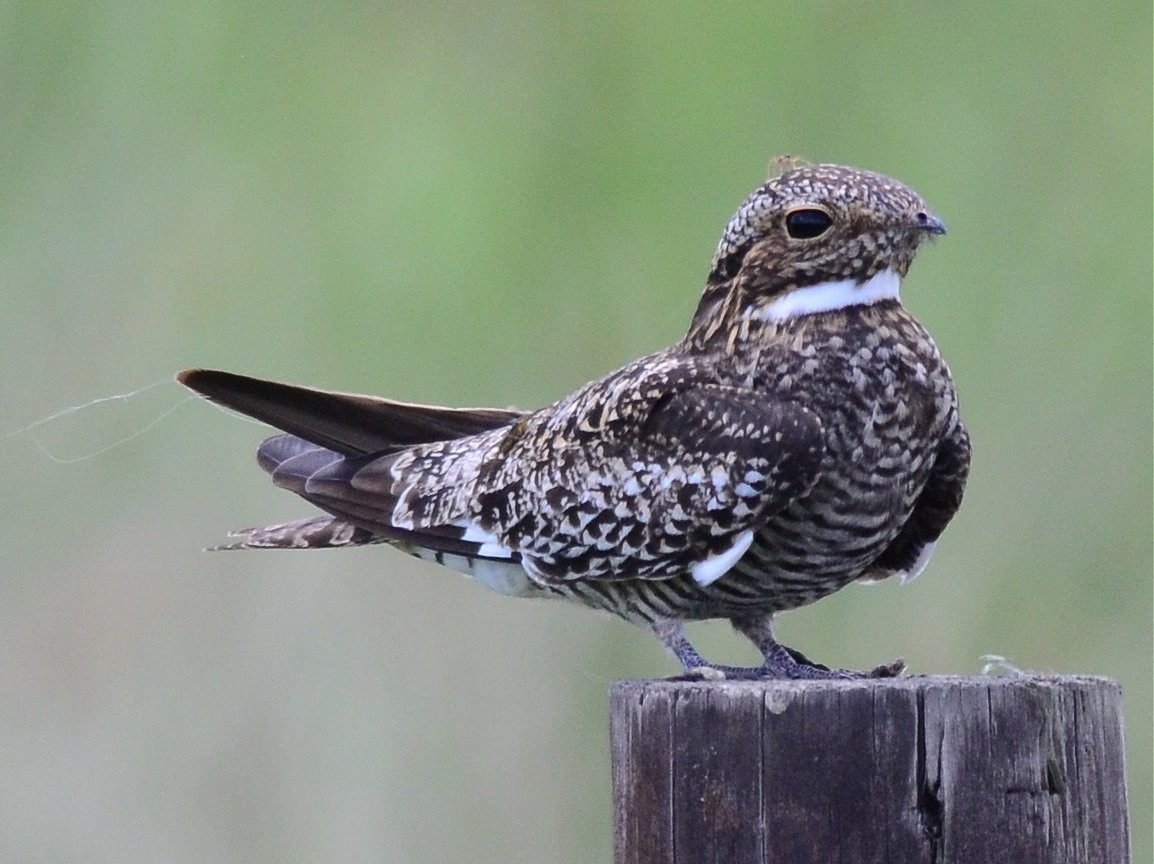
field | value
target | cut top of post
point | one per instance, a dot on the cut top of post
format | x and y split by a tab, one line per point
1018	769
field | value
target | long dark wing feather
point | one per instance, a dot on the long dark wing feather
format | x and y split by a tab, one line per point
347	423
326	479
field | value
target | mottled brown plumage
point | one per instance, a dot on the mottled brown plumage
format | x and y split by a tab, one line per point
804	434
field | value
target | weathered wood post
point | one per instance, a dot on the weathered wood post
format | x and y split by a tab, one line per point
933	770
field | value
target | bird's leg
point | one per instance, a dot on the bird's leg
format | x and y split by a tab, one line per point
673	636
783	662
779	661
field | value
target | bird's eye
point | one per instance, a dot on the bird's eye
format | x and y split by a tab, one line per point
807	223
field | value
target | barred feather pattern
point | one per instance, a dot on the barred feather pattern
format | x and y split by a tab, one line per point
595	511
834	533
804	434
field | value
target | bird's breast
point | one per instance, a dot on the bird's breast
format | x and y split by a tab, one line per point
885	400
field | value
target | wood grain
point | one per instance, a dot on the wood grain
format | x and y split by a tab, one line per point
927	770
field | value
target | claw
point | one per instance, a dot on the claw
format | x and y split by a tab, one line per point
893	669
706	673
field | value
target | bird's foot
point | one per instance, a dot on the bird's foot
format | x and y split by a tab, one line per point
781	663
787	665
809	669
703	673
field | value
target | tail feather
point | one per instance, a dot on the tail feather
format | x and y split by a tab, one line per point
327	480
330	438
350	424
279	449
316	532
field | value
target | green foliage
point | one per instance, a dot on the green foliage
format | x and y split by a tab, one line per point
492	203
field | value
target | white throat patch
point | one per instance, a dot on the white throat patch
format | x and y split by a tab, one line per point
827	296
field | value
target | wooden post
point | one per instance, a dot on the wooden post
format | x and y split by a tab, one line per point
934	770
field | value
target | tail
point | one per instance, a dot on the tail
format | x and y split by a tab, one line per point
348	423
363	513
318	532
337	455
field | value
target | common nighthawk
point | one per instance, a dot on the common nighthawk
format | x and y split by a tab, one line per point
802	435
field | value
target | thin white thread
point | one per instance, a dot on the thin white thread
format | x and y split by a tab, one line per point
121	397
60	460
30	429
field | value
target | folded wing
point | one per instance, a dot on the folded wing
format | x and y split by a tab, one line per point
348	423
677	485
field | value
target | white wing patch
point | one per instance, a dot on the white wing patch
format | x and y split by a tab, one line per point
827	296
491	546
713	568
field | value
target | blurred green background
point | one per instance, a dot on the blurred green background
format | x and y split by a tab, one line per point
482	203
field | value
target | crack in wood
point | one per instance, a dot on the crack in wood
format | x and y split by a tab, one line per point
921	770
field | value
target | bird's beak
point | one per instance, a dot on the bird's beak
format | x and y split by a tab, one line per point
928	222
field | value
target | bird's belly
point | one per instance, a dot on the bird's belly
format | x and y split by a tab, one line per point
819	544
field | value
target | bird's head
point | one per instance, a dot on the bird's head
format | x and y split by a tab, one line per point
817	238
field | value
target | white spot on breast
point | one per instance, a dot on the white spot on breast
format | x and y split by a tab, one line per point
713	568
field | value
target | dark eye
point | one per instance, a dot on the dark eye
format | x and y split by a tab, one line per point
807	223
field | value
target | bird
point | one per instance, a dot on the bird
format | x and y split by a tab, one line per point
804	434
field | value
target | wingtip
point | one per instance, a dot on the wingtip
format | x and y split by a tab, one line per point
188	377
211	383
